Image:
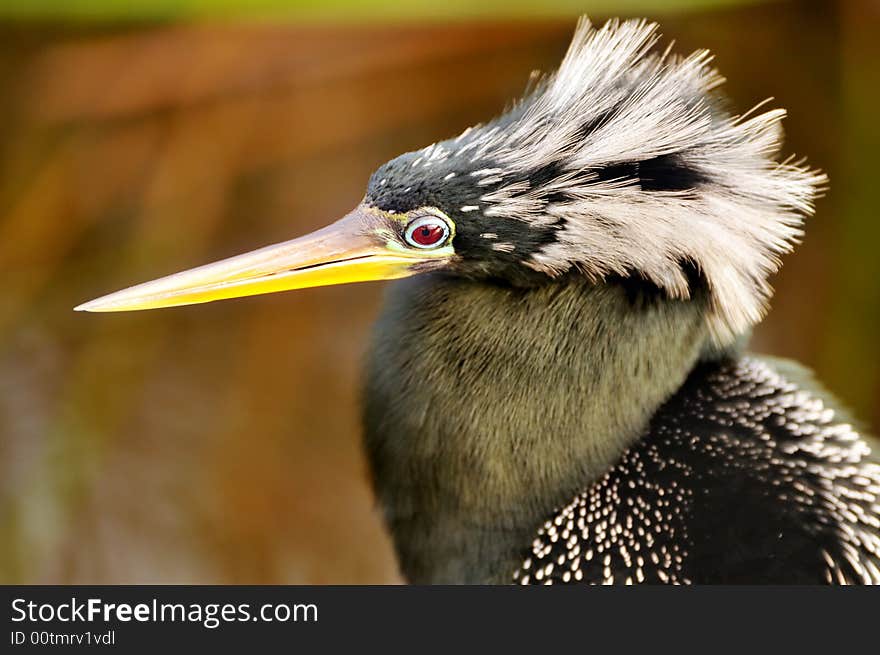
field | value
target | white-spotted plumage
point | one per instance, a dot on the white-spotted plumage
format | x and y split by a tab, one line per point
742	461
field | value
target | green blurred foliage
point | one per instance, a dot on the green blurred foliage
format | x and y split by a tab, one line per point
359	10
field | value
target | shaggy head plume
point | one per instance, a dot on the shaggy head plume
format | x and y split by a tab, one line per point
623	163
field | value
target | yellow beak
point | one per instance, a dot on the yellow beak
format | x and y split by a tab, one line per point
350	250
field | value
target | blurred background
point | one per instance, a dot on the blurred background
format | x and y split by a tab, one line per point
220	443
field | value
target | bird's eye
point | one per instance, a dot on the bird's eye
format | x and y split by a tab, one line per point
427	232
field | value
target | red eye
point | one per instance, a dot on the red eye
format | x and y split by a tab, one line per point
427	235
427	232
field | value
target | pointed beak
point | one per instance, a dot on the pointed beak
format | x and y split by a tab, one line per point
357	248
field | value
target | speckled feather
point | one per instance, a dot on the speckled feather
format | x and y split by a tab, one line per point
741	478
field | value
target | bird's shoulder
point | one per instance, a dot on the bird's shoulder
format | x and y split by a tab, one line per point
744	476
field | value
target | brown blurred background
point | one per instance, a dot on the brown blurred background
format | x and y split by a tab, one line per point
220	443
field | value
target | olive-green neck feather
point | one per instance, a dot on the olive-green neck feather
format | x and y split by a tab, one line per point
487	406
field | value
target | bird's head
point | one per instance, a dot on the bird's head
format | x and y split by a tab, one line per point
621	164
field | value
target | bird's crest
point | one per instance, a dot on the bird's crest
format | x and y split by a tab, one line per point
630	157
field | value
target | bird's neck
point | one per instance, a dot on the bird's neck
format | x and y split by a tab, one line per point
487	406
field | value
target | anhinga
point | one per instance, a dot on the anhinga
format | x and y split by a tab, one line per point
558	391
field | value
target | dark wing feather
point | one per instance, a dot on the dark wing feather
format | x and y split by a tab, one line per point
743	477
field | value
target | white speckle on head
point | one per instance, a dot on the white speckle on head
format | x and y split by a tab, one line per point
503	247
489	235
483	172
469	208
449	176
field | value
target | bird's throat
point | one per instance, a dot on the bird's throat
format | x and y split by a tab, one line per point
488	406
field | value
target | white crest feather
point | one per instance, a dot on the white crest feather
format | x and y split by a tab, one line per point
747	211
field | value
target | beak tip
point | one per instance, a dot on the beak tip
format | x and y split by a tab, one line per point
91	306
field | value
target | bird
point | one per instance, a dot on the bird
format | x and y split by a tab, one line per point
559	388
